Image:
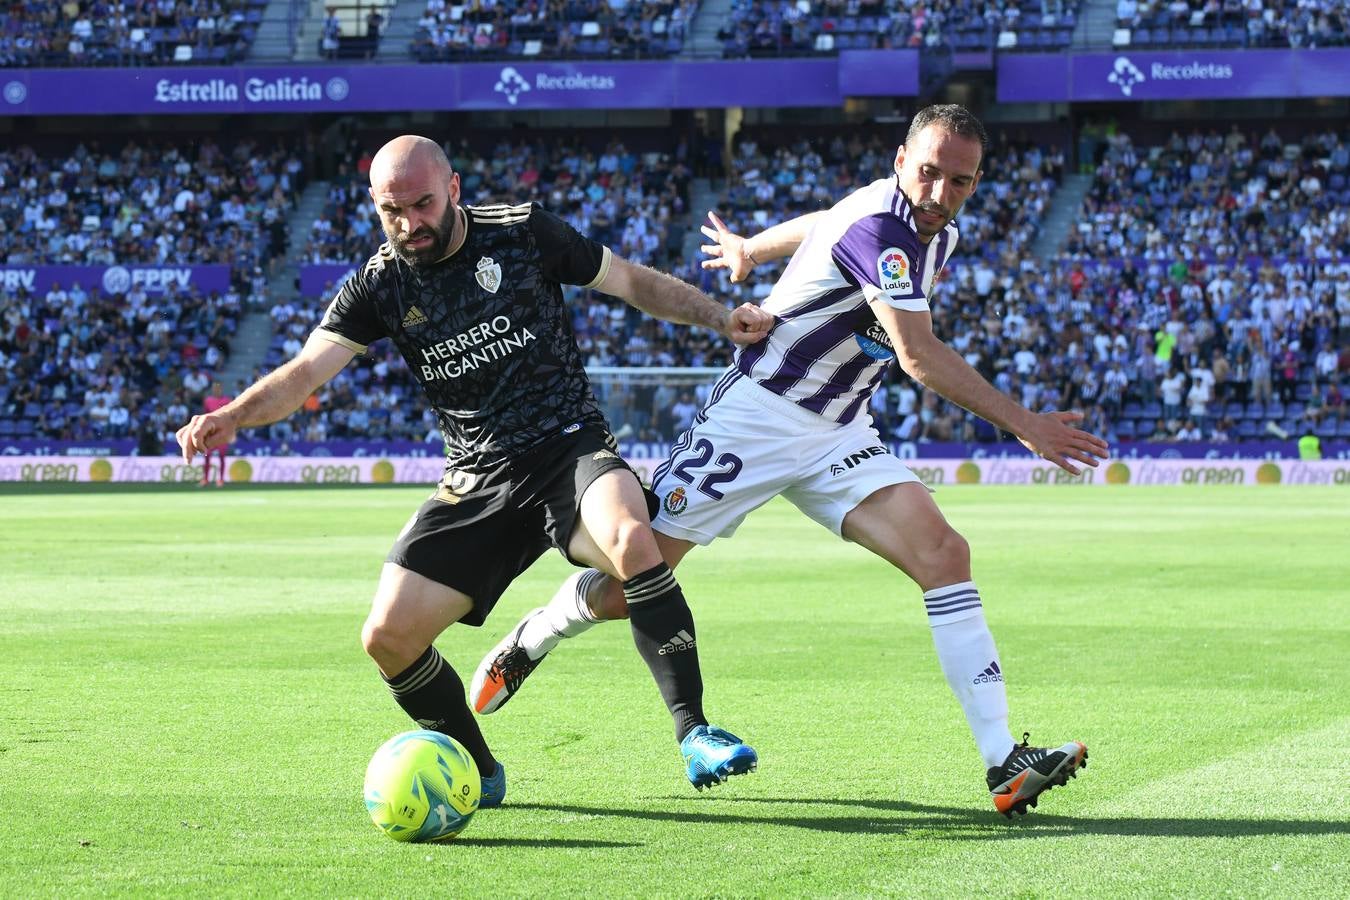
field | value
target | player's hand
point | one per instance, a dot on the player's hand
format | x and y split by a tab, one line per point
748	324
1053	437
205	433
728	251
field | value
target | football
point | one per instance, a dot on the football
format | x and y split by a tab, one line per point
422	786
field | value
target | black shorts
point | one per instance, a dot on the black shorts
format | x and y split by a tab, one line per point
479	531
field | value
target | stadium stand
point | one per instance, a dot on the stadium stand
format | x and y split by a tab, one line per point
1233	302
1186	336
559	28
800	27
75	359
117	33
1232	23
79	365
148	202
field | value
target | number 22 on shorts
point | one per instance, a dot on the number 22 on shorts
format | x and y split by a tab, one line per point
727	467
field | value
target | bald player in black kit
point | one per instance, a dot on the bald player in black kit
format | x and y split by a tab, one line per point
472	298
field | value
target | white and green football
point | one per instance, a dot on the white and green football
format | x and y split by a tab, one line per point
422	786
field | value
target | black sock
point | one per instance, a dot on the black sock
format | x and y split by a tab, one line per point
663	629
431	693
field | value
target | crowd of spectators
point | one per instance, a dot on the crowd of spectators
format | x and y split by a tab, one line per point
552	28
77	364
1204	292
798	27
126	32
151	202
75	357
1229	313
1238	23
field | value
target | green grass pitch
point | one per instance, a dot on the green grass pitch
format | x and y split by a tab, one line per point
185	708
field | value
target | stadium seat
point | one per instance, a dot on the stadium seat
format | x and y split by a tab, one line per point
182	53
1007	40
1121	37
532	48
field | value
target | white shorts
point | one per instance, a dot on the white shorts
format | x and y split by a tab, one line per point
749	445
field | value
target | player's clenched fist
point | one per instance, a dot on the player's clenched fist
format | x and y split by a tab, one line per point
747	324
204	433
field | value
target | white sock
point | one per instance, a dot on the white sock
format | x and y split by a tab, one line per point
567	615
969	659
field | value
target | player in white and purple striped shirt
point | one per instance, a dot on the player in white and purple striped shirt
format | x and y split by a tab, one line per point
790	418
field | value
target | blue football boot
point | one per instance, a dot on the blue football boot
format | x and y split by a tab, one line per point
494	789
714	755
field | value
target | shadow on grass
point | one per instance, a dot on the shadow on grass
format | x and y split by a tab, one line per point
954	823
545	843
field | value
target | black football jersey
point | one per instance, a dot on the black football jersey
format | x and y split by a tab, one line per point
484	331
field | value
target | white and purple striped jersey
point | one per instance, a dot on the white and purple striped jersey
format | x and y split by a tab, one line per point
827	352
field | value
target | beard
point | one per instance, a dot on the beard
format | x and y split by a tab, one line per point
936	210
441	236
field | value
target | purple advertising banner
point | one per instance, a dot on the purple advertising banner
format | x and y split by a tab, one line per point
322	279
764	82
562	85
879	73
579	85
114	279
1129	76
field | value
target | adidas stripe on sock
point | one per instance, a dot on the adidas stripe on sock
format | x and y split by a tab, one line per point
663	630
432	694
970	662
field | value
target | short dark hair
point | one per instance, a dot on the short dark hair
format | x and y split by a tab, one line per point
951	116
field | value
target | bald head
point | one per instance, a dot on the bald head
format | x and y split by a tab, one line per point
416	192
408	157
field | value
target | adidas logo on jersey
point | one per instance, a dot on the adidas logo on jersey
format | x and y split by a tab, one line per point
414	319
681	641
991	673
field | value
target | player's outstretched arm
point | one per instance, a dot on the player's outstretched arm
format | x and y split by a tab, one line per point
940	368
738	255
669	298
272	398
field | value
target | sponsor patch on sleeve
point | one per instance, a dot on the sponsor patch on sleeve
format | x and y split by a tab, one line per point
893	271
